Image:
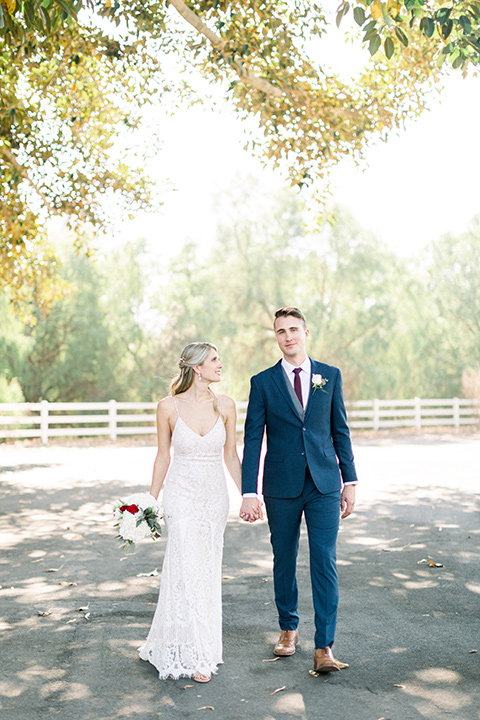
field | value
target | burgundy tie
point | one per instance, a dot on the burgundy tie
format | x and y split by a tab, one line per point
297	384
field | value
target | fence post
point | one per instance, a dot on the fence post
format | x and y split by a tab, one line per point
418	413
456	412
112	419
376	414
44	421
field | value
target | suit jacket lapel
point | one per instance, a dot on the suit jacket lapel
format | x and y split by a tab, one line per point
287	390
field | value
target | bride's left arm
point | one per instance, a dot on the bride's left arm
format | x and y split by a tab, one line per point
230	454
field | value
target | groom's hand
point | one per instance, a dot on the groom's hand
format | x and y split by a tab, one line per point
347	502
251	509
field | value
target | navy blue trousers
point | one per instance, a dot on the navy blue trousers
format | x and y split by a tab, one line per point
322	516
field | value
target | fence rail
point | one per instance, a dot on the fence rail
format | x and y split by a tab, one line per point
45	420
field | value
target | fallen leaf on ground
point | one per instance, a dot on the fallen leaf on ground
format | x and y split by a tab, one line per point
187	686
86	616
82	609
228	577
430	563
44	613
70	621
54	569
206	707
271	659
400	686
67	584
284	687
314	673
473	651
150	574
265	579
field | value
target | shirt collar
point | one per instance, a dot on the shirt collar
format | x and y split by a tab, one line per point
289	368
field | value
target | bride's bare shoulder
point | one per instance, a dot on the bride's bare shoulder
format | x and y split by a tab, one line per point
228	403
166	406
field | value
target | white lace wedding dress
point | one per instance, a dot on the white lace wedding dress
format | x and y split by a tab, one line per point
186	632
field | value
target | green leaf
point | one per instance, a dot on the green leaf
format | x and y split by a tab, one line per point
458	62
443	14
65	7
466	24
374	44
389	47
410	4
446	29
359	15
29	13
342	12
370	25
475	9
427	26
401	36
46	19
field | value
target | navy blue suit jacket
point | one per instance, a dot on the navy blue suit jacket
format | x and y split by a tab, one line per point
321	440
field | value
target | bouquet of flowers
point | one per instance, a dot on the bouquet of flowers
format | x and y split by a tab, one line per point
137	518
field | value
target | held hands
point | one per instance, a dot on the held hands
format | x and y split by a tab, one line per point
347	502
251	509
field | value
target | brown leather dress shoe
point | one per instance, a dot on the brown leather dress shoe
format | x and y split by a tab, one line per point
323	660
286	642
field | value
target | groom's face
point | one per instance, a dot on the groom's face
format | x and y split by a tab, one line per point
291	337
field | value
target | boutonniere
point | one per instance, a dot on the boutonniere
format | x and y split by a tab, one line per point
319	382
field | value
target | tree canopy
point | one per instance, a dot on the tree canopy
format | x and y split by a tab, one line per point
74	75
452	27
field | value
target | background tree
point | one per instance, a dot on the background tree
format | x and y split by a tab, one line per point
454	282
397	328
70	102
91	345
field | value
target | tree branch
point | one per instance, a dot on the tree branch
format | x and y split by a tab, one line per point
219	44
10	157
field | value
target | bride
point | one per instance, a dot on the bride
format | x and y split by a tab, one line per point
185	639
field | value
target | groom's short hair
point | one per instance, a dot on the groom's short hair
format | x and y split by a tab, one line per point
286	311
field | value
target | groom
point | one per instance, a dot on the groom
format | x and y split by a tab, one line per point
309	470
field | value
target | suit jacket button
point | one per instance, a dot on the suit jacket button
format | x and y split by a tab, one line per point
303	453
304	428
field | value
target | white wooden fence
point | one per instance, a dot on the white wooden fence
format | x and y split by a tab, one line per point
47	420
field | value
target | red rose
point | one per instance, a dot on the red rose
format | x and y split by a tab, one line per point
130	508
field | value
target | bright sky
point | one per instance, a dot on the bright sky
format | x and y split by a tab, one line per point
419	185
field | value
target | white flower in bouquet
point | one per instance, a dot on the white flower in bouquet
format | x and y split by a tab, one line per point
136	518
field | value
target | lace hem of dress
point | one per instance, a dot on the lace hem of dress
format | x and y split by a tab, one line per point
175	662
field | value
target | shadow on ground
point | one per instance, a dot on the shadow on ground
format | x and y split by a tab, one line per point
73	610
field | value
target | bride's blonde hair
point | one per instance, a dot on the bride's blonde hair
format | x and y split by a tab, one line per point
192	355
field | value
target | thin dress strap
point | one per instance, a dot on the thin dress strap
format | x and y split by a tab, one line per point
175	403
